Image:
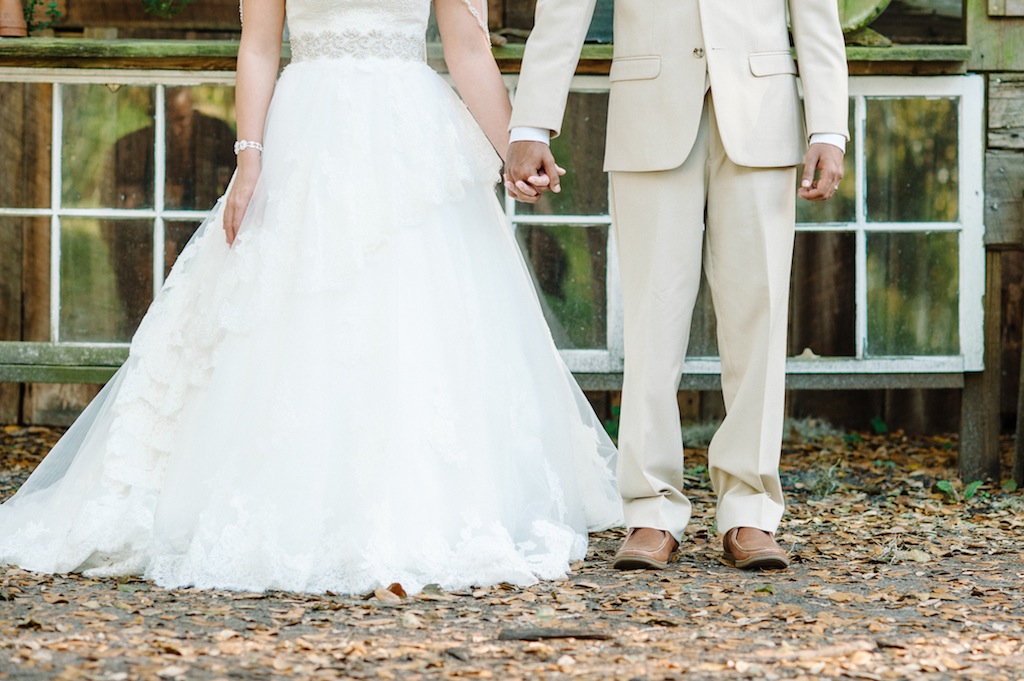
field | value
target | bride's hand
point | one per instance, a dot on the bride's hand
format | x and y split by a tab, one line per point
239	197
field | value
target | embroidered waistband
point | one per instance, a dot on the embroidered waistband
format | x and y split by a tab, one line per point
357	44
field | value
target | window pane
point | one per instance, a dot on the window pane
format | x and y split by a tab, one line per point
108	146
580	150
912	160
823	295
200	158
176	236
842	207
569	267
912	294
25	144
24	278
106	269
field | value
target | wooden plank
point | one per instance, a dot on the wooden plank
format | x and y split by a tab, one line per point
1006	111
43	373
993	361
193	55
62	373
36	311
998	42
1004	199
12	162
203	15
993	358
203	55
973	427
979	416
1018	443
852	381
56	404
907	68
1005	8
913	53
62	355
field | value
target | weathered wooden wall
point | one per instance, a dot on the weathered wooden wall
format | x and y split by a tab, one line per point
128	18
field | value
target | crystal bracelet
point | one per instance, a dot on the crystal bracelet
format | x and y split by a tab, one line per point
242	145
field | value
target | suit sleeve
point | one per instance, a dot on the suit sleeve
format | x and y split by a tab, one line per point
552	52
821	55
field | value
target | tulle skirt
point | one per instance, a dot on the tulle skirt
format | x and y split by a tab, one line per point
362	390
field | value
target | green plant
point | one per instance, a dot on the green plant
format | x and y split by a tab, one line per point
946	487
971	489
952	496
49	10
165	8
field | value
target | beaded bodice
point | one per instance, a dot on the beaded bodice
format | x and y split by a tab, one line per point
331	29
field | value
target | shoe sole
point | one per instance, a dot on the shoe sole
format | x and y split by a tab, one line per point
757	562
638	563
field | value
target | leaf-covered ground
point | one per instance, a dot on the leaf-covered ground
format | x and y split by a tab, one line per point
899	571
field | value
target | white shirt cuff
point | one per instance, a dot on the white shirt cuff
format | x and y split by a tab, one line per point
525	133
835	139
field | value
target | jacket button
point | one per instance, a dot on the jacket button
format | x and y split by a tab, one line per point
698	53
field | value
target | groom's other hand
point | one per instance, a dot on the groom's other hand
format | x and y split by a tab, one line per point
530	170
825	161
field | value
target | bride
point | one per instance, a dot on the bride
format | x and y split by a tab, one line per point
356	386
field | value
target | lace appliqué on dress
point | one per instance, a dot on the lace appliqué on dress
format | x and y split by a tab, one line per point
357	44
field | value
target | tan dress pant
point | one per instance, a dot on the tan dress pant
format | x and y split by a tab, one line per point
745	242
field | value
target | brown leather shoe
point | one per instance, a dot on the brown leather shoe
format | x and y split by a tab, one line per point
749	548
645	548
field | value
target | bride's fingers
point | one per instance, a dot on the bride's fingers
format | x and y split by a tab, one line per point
234	212
229	217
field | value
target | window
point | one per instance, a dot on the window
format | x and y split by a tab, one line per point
888	277
89	230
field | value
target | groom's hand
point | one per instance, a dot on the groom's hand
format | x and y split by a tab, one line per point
823	170
530	170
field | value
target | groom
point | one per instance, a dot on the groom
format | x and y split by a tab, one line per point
705	128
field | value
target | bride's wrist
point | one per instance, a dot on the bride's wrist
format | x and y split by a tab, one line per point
247	173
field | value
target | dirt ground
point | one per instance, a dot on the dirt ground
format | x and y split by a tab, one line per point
899	572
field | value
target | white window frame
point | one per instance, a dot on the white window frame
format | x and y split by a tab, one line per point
969	89
56	212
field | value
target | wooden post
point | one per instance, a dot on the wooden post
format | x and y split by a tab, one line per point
979	411
1018	442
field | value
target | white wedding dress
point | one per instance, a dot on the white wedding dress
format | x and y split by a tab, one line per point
362	390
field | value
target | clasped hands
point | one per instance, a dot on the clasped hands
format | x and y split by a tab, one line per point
530	170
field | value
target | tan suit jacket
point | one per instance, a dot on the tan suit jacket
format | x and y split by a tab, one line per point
667	52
